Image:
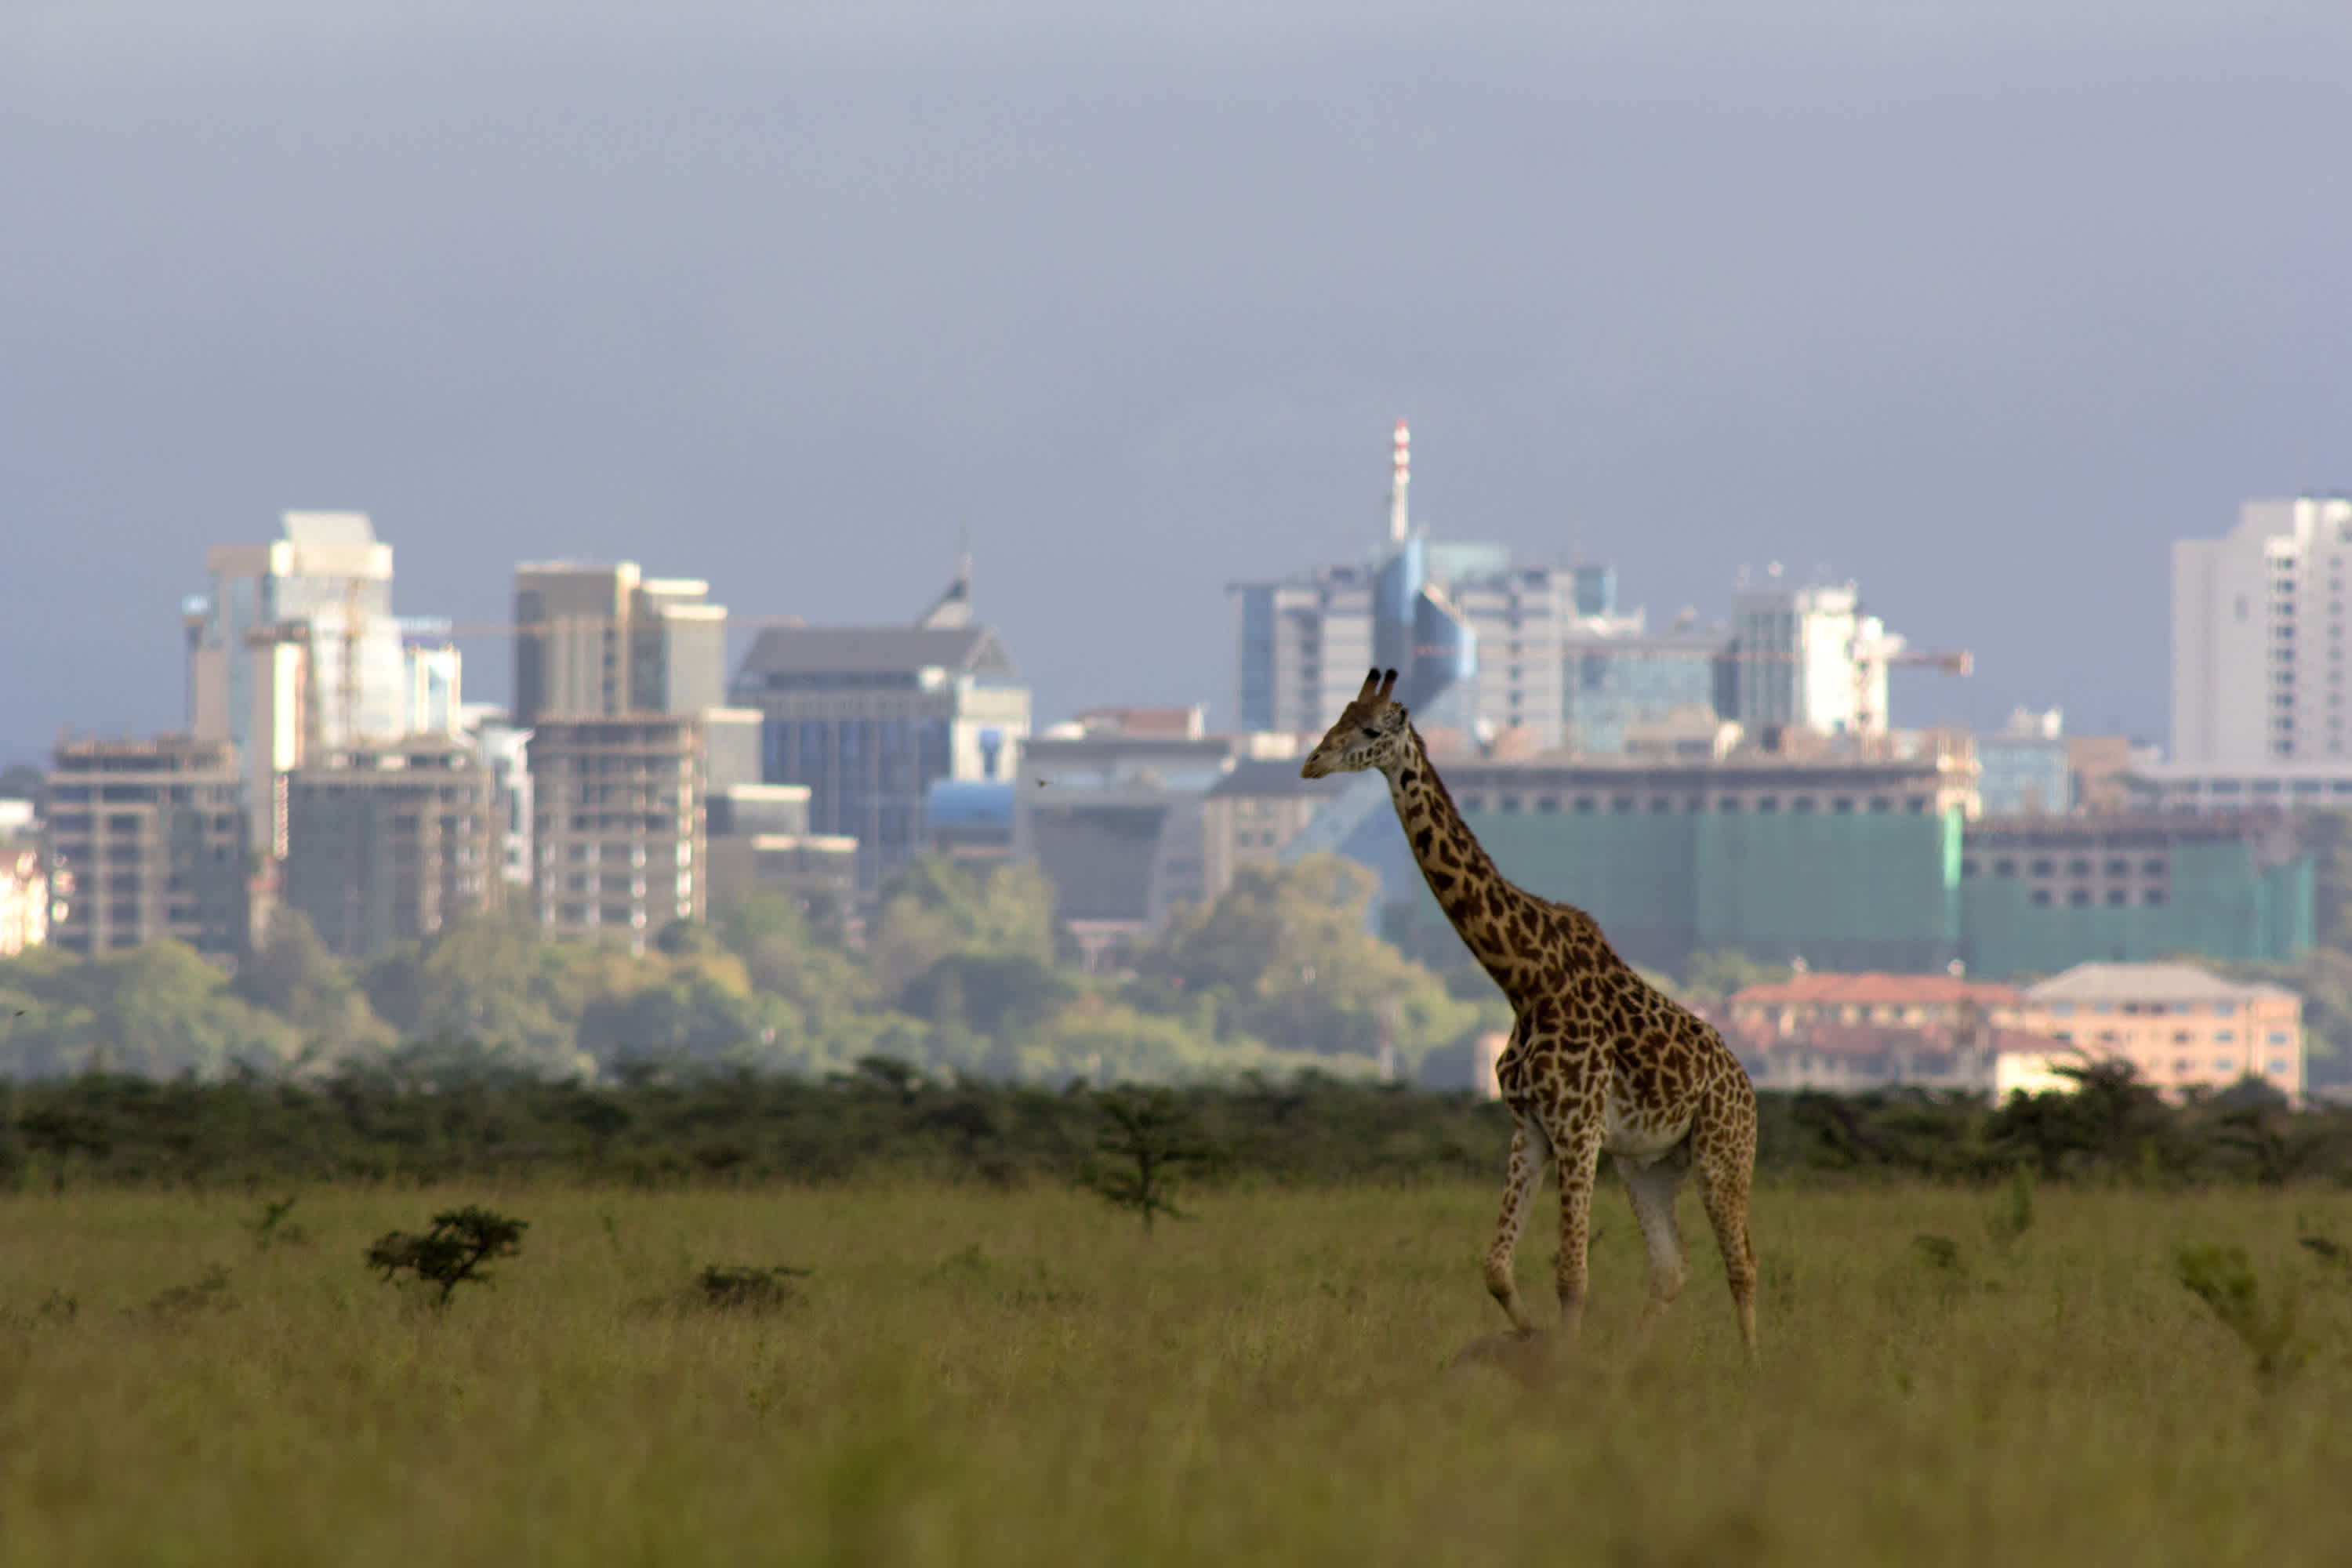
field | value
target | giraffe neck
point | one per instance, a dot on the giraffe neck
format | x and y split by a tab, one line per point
1484	906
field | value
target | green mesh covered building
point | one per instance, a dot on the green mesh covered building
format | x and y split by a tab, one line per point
1846	865
2040	895
1856	866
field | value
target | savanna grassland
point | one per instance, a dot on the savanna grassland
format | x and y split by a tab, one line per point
982	1376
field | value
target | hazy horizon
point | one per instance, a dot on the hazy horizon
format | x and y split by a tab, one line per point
1980	309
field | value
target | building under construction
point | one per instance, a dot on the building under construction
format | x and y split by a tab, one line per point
619	824
2041	894
387	844
1852	864
144	840
1849	863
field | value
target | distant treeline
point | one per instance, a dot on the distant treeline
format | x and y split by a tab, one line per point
885	1119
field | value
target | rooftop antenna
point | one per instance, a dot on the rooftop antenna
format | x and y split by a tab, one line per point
1398	525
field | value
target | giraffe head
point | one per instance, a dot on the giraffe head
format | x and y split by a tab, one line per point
1370	733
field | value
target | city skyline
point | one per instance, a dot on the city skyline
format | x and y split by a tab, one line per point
493	653
1982	314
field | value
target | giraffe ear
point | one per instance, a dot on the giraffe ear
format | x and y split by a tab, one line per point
1370	681
1388	684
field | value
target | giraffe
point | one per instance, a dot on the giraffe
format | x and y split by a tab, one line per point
1599	1060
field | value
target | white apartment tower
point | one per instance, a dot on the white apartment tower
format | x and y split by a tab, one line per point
2258	640
295	652
1810	658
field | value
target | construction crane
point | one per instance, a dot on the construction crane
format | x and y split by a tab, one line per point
540	628
1873	654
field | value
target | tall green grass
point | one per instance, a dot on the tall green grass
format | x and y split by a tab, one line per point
970	1376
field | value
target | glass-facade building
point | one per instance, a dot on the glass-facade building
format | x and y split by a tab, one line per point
1615	683
870	718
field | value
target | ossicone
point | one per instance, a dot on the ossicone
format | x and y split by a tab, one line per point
1388	684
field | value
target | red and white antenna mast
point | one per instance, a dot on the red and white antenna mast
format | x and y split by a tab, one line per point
1398	525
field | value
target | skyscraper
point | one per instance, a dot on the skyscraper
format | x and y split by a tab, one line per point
1483	647
1304	642
607	640
295	651
870	717
1808	658
2258	638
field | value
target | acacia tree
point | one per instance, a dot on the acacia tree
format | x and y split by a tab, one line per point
1147	1139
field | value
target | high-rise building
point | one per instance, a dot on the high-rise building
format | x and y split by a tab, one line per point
1617	676
1528	657
607	640
388	842
295	651
147	839
869	717
618	824
1809	658
2258	643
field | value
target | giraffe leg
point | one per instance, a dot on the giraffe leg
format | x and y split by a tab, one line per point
1578	1149
1653	1189
1531	1151
1723	1178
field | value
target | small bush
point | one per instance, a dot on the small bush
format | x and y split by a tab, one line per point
2222	1278
452	1253
1942	1253
270	1227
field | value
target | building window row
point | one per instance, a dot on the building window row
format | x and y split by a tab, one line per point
2082	898
1768	805
2007	866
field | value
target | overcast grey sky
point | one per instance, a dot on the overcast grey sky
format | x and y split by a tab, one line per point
1976	306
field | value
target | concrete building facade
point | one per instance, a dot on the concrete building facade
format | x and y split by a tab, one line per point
619	825
870	718
1112	812
1810	997
760	842
1808	658
387	844
148	839
605	639
2180	1027
2259	644
2038	895
1254	813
